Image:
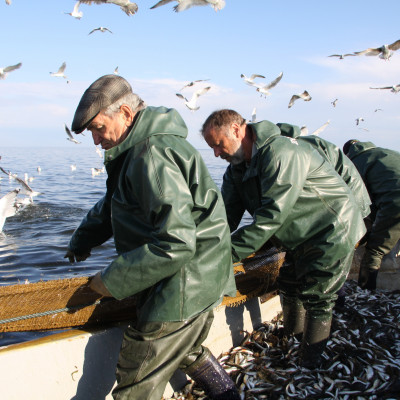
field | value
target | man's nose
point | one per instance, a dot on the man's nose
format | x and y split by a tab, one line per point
96	138
217	152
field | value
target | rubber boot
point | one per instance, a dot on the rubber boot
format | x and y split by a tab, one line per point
211	376
315	337
293	316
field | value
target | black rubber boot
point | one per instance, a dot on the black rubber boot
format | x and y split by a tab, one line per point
293	316
211	376
315	337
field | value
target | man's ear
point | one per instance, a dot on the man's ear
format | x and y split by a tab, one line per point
127	113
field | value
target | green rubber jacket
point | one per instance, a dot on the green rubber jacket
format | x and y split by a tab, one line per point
380	169
295	197
343	166
168	220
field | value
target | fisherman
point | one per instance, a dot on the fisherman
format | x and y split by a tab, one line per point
380	170
172	238
344	167
300	204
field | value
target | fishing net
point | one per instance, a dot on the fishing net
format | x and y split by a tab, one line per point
64	303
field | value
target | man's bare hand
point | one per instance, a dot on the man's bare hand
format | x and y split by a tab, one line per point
72	257
97	285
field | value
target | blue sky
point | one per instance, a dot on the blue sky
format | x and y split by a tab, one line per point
158	51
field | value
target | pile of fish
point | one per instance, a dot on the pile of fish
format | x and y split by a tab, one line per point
361	360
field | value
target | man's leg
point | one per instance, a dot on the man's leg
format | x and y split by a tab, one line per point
151	352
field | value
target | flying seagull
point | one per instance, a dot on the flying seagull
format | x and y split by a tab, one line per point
263	90
334	102
5	70
192	104
8	206
70	137
26	189
250	80
358	120
101	29
378	109
394	89
75	12
305	96
194	82
341	56
185	4
116	71
320	129
384	52
126	6
60	72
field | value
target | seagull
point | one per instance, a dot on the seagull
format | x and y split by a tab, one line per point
98	151
191	105
334	102
75	12
8	206
341	56
358	120
305	96
254	116
250	80
303	131
186	4
378	109
73	167
264	89
192	83
320	129
5	70
126	6
394	89
26	189
39	169
97	171
384	52
101	29
60	72
116	71
70	137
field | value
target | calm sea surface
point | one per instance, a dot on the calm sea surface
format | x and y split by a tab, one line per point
34	242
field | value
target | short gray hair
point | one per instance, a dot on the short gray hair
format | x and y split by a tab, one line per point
220	119
130	99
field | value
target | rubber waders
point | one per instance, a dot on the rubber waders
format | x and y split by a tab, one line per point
207	372
315	337
293	316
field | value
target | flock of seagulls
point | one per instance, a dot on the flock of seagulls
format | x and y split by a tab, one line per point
130	8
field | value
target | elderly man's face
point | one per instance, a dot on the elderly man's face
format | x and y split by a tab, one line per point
108	130
225	145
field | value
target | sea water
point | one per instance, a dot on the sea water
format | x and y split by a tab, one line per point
34	241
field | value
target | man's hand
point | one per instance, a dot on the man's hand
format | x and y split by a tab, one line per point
97	285
72	257
369	267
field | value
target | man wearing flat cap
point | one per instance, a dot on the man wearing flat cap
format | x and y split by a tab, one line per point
171	235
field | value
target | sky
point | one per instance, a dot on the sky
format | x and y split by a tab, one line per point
159	51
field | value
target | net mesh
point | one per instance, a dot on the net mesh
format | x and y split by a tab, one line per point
64	303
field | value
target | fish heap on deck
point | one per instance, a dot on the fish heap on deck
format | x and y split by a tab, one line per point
361	360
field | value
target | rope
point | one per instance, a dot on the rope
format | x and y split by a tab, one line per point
42	314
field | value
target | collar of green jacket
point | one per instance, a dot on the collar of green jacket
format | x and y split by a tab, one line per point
264	130
289	130
358	148
150	121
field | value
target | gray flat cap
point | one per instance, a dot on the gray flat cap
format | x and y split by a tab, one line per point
99	95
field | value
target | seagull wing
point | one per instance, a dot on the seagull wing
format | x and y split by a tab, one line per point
161	3
386	87
62	68
12	67
305	96
321	128
253	76
293	99
76	7
369	52
94	30
25	186
395	46
68	131
126	6
201	91
7	204
275	81
181	96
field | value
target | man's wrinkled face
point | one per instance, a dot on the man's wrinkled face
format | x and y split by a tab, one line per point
108	130
225	145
